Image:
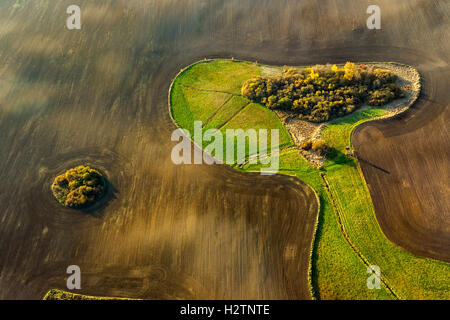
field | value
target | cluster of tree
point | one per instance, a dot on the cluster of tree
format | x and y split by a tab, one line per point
319	146
78	187
323	93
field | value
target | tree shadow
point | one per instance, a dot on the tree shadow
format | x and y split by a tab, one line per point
338	157
97	209
373	165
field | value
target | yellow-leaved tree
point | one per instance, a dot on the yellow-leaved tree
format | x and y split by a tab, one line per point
313	75
350	70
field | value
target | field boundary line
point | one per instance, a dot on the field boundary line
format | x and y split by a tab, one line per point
232	117
217	110
315	293
340	218
267	154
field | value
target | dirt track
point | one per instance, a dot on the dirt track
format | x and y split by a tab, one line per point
100	96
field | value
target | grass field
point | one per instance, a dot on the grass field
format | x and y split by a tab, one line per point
410	277
233	106
216	85
348	237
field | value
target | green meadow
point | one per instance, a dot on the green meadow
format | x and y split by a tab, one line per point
348	237
210	92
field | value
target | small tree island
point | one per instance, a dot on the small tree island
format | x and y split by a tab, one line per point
78	187
323	93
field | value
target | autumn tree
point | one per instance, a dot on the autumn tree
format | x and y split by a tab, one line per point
323	93
350	70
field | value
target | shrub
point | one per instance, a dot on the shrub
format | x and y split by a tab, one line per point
320	146
306	145
385	76
78	187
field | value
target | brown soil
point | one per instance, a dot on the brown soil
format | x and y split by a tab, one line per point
99	96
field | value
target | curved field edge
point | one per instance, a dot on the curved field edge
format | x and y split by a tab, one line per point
332	285
332	260
311	286
411	277
406	276
333	264
336	286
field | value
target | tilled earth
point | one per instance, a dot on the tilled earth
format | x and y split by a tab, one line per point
99	96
